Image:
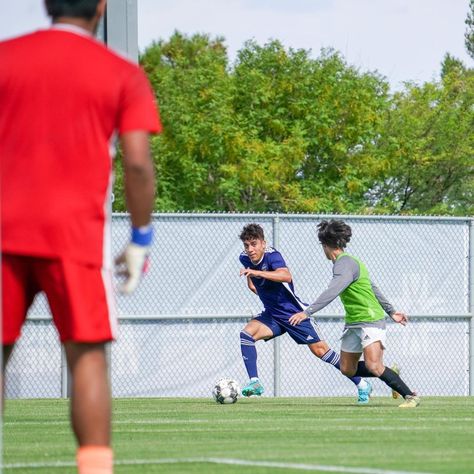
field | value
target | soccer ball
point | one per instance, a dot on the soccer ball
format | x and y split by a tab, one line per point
226	391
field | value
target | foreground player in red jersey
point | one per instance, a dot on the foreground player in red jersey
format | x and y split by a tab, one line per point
64	95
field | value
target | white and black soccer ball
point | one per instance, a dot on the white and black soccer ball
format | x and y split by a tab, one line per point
226	391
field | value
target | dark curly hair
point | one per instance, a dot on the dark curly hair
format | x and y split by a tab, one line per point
251	232
334	234
72	8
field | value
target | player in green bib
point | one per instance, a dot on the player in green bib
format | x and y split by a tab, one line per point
365	307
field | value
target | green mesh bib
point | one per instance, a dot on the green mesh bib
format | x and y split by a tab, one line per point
358	298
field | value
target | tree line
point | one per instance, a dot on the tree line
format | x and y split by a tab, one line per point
282	131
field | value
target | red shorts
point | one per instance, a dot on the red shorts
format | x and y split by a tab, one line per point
80	297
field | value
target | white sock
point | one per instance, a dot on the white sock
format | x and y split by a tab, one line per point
253	379
362	384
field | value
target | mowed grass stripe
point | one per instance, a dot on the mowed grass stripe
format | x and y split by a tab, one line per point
436	437
232	462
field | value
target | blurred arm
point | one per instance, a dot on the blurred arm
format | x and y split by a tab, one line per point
139	176
140	193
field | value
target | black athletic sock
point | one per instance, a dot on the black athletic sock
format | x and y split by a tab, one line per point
394	381
391	378
363	371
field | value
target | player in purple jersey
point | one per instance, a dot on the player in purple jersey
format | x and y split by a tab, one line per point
269	278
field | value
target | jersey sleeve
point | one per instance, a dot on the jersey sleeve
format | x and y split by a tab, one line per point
387	307
244	260
276	261
345	271
138	108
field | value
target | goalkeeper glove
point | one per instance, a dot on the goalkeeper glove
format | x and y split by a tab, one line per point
133	261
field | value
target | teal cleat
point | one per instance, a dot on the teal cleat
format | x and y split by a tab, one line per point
364	394
253	388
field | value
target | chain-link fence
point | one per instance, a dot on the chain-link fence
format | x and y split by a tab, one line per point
180	330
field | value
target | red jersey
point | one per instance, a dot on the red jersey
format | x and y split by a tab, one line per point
62	96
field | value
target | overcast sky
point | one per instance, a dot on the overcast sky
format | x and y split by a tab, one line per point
404	40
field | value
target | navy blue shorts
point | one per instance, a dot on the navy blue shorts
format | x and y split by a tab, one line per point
306	332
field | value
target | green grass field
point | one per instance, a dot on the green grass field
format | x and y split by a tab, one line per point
267	435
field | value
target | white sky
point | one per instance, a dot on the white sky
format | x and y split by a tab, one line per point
401	39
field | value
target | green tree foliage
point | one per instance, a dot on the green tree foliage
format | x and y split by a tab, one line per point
191	81
280	130
307	129
429	143
469	35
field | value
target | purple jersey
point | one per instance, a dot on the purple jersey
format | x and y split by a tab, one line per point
278	298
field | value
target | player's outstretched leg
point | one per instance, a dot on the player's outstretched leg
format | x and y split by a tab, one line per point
249	355
364	388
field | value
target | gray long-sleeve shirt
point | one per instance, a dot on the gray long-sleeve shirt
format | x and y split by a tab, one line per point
346	270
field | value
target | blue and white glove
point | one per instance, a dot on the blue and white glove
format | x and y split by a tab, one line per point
133	261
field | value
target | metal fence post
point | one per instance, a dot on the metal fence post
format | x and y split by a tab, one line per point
64	374
108	358
471	306
276	341
471	355
120	29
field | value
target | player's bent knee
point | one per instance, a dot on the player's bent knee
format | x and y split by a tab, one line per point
319	349
257	331
249	330
375	368
348	372
347	369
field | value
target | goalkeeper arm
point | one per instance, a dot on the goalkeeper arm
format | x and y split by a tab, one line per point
140	192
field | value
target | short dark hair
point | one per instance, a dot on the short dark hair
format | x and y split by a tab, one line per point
334	234
252	231
73	8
